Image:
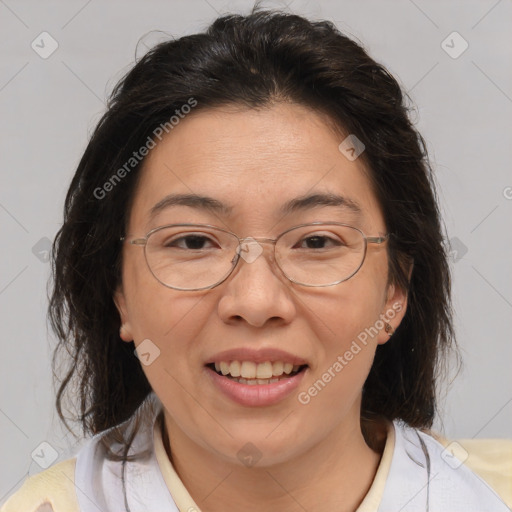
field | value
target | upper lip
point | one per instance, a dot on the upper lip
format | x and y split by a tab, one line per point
256	356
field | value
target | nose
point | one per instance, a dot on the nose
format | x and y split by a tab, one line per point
256	292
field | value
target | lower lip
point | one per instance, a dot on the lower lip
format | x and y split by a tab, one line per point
256	395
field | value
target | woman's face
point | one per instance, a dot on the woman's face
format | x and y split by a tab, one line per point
254	162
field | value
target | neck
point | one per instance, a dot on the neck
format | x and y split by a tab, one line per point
335	474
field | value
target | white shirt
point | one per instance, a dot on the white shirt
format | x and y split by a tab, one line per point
422	476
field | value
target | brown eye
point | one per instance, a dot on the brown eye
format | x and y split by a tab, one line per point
318	241
192	242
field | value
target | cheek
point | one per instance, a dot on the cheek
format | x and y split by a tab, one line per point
350	348
164	320
346	327
347	322
167	326
153	309
350	308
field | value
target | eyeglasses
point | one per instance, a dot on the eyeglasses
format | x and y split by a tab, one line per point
192	257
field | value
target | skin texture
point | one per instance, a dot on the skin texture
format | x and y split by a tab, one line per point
314	456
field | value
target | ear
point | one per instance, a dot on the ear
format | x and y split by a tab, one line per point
393	312
125	330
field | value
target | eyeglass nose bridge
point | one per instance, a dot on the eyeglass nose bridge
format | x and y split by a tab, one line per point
251	254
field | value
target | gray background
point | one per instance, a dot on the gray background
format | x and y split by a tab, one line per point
48	108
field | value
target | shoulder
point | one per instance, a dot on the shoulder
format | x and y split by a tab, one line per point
52	490
490	459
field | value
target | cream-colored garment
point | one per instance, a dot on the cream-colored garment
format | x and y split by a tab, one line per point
54	487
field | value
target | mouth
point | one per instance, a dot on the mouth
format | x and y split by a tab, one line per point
251	373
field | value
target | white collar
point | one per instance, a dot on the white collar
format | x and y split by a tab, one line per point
419	479
425	477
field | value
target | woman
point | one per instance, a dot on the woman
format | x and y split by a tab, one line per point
252	282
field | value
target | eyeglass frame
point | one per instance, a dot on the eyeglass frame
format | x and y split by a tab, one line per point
142	241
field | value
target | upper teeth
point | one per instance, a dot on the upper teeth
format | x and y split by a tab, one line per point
251	370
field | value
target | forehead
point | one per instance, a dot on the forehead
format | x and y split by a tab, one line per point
254	162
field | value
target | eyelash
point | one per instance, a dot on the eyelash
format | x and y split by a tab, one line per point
308	237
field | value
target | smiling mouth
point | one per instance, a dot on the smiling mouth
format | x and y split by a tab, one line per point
250	373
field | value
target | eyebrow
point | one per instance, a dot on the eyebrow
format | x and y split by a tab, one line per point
319	199
297	204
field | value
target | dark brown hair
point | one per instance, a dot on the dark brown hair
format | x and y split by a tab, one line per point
251	61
